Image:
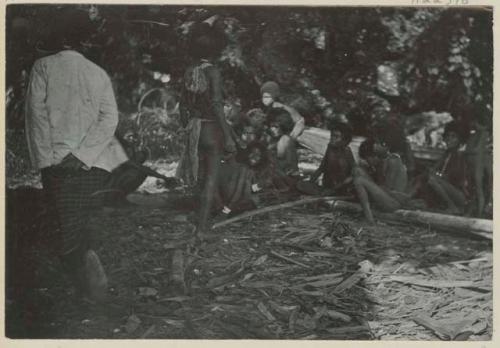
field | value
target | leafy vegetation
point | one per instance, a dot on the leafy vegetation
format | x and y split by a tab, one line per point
329	61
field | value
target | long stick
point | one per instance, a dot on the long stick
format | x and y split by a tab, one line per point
481	227
277	207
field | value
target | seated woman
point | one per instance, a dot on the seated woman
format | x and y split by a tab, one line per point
383	181
270	98
336	166
448	181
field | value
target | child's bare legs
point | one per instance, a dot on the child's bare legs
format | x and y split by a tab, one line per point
454	199
210	152
366	189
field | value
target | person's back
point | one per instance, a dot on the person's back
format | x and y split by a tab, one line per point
74	85
197	89
75	94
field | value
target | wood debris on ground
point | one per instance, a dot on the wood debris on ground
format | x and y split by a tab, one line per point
298	273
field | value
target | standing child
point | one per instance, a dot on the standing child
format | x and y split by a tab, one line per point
384	180
209	137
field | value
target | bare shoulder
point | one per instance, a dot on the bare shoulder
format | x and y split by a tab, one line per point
285	140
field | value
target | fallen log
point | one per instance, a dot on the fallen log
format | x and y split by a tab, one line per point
482	227
277	207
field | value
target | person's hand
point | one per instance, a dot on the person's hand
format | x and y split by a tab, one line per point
70	162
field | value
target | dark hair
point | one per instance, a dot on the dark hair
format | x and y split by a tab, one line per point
343	128
281	118
205	42
390	133
72	28
366	149
245	124
458	128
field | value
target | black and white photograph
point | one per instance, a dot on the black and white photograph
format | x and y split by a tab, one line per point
249	172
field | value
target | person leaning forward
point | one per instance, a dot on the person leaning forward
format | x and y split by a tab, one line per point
71	118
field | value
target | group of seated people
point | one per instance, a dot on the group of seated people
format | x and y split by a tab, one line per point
383	177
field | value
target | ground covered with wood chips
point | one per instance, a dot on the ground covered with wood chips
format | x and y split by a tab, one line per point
300	273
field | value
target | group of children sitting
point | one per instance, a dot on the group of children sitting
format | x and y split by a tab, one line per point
384	177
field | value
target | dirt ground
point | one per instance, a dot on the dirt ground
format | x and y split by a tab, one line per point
300	273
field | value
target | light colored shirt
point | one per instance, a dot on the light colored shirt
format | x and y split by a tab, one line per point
71	108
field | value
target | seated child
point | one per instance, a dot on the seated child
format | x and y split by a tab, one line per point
239	178
383	181
271	93
449	180
253	127
256	118
391	130
336	166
